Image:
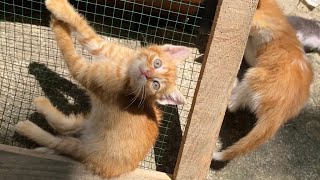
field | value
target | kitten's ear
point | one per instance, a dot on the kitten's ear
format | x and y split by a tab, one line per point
175	97
178	53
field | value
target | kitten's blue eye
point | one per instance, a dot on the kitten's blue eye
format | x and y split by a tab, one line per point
155	85
157	63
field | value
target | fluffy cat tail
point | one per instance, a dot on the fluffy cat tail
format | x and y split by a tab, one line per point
265	128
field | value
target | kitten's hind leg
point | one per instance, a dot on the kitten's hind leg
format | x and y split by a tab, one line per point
64	145
62	123
34	132
238	96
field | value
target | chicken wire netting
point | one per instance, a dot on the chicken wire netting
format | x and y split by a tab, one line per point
31	64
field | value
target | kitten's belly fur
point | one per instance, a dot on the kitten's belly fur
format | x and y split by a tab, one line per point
115	139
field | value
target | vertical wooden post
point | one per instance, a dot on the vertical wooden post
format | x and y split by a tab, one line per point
220	66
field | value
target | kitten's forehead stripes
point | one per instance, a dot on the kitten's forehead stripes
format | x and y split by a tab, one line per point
153	57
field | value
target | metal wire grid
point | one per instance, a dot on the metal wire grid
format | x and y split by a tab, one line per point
30	62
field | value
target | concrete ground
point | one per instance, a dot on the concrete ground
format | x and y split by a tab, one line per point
294	153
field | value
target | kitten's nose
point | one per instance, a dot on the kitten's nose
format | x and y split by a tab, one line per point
146	73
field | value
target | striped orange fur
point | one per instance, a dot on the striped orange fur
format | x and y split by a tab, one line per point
277	86
124	86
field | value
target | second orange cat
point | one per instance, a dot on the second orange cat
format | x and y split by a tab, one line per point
277	86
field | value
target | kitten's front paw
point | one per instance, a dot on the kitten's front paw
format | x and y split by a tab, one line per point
56	6
50	4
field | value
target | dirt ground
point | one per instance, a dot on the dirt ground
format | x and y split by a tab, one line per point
294	153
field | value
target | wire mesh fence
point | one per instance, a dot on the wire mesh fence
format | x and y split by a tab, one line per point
31	64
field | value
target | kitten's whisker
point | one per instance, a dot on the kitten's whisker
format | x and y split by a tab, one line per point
141	99
135	90
136	95
144	97
134	99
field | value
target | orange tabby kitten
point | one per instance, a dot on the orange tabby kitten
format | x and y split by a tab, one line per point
277	87
124	86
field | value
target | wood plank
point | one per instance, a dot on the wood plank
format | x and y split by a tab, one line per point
29	152
220	66
18	163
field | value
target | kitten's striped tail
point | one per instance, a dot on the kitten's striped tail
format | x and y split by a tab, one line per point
65	12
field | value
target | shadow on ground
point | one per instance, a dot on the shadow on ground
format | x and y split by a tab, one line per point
168	144
235	125
60	92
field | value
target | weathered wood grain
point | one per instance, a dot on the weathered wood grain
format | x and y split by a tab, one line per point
18	164
220	66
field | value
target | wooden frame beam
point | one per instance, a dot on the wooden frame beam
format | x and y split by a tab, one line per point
20	163
220	65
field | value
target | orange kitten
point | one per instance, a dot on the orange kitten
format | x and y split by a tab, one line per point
277	87
124	86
